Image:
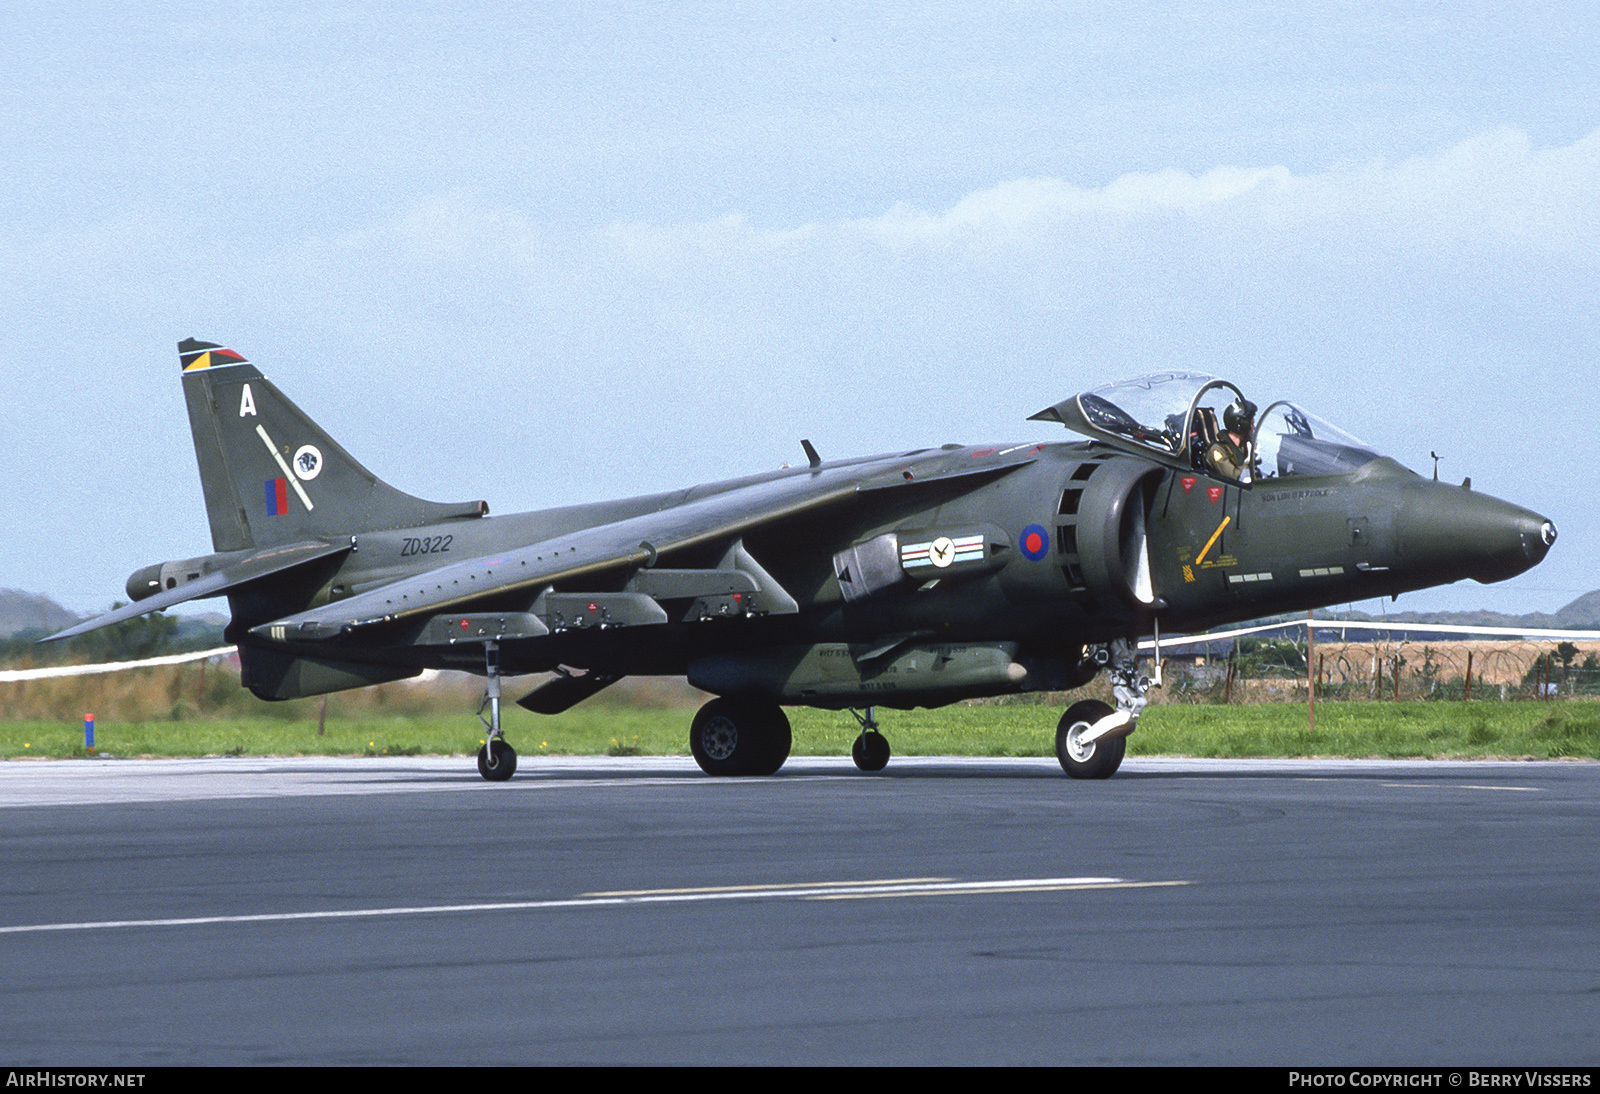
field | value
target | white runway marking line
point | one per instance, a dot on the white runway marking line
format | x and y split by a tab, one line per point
821	890
979	888
748	889
1461	786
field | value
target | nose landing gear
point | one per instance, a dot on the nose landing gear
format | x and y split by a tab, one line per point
1092	739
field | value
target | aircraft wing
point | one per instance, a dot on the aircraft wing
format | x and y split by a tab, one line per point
250	566
632	543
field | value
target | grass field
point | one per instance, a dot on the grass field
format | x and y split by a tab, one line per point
1532	730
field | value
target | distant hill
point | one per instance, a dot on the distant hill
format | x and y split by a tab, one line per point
35	616
20	611
1582	614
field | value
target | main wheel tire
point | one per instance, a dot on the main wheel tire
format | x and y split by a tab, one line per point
739	737
779	740
502	766
871	751
1096	759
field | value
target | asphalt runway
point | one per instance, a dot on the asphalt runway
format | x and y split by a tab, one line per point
395	911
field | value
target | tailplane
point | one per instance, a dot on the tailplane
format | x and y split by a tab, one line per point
270	474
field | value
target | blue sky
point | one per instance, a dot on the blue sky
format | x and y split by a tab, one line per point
543	253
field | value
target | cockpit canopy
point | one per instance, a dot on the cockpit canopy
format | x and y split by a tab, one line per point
1181	418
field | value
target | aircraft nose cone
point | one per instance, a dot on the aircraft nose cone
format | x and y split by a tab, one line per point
1462	534
1534	535
1537	548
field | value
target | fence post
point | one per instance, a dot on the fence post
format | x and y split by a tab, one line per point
1311	678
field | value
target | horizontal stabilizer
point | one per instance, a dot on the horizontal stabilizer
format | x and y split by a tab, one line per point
247	567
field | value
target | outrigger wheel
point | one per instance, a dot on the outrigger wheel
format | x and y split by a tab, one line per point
497	761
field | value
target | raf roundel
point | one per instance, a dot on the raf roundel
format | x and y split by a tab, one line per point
1035	542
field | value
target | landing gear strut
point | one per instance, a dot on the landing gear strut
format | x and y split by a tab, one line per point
1084	755
497	761
871	749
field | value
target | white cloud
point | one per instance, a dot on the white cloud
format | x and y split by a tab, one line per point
1494	190
1493	202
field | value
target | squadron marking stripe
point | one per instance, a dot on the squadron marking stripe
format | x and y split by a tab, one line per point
965	549
827	890
284	466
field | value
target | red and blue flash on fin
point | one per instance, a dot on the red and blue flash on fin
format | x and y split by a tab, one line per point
277	497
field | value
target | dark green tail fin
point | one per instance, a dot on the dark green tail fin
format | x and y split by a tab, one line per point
270	474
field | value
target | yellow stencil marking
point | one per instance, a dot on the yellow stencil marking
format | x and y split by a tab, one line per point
1212	541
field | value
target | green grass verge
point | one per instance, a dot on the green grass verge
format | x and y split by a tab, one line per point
1568	729
1531	730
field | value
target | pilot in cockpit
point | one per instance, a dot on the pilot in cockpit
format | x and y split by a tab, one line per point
1229	454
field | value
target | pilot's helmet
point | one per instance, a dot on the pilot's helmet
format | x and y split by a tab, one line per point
1238	416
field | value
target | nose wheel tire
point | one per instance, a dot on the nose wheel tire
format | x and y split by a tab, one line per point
497	761
1092	759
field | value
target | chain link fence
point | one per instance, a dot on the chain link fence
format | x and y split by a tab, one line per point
1264	670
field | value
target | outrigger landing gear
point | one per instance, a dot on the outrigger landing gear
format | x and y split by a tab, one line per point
497	761
871	749
1091	738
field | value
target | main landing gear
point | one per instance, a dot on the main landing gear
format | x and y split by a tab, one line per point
497	760
740	737
732	736
746	736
